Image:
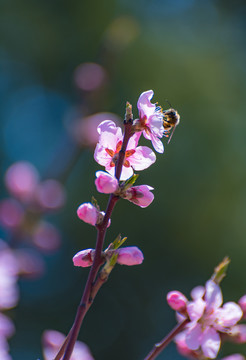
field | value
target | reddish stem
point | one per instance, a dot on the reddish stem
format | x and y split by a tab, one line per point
87	299
159	347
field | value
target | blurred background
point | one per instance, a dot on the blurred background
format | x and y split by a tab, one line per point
64	61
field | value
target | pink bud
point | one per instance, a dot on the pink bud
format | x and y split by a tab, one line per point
131	255
21	180
84	258
177	301
105	183
140	195
242	304
88	213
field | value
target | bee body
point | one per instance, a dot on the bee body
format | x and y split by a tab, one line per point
171	119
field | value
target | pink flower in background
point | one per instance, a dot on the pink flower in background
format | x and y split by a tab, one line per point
11	213
84	129
150	120
140	195
84	258
89	76
88	213
105	183
208	319
52	341
50	194
31	263
21	180
131	255
7	327
109	146
9	269
46	237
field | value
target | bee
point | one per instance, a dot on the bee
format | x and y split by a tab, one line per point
171	119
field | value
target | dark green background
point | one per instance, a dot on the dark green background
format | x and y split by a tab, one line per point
189	52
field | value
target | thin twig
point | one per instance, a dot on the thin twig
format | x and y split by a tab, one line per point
159	347
87	297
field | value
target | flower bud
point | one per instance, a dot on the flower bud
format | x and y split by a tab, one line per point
84	258
88	213
105	183
177	301
131	255
140	195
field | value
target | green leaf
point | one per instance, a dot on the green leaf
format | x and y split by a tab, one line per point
220	270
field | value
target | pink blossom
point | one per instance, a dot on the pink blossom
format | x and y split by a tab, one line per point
84	258
52	341
21	180
88	213
140	195
208	318
177	301
131	255
109	146
150	120
105	183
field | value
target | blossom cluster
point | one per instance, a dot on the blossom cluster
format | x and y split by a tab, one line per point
210	323
136	158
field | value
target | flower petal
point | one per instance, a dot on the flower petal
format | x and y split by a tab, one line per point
213	296
228	315
142	158
195	309
157	144
197	292
193	336
210	343
145	107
